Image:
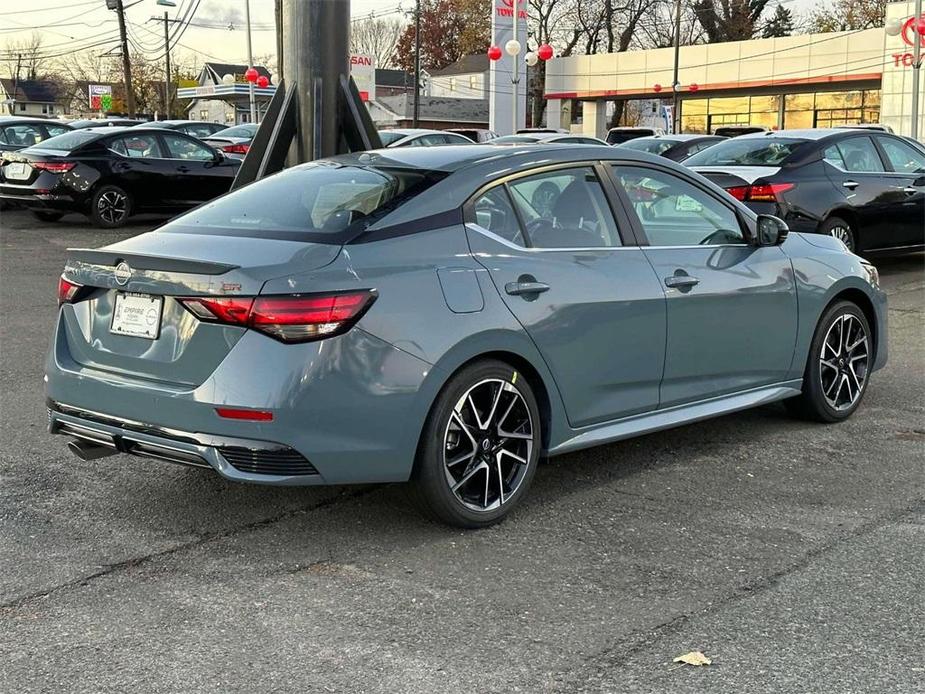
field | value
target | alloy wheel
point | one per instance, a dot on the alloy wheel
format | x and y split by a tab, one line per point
843	234
844	362
488	444
111	206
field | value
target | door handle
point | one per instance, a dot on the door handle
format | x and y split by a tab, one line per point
909	190
681	281
850	185
521	288
183	169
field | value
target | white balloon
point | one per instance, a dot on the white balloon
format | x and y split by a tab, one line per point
531	58
228	79
512	47
274	78
893	27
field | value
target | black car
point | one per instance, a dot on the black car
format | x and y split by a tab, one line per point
17	132
105	123
738	130
617	136
674	147
109	174
865	188
196	128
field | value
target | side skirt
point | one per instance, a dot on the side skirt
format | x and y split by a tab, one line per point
675	416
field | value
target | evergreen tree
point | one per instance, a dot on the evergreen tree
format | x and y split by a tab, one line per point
781	24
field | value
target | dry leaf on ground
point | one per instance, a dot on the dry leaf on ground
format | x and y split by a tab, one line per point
693	658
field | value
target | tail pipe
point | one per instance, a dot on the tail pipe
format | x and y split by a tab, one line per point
89	451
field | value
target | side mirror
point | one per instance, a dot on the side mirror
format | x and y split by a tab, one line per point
771	230
218	157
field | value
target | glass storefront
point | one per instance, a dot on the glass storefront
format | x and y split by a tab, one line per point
809	110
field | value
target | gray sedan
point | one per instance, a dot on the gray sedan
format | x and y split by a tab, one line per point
448	316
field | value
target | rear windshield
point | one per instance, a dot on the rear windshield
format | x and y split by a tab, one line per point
752	151
246	130
617	136
323	202
69	141
388	137
644	144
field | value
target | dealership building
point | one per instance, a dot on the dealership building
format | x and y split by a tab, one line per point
812	80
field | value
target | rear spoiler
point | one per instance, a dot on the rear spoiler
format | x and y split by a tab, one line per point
139	261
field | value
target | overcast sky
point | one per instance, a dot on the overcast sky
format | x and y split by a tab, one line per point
67	24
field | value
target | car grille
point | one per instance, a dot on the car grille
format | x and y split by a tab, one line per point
282	461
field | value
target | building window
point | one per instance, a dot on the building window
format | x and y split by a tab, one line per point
827	109
203	114
472	81
22	107
44	108
452	84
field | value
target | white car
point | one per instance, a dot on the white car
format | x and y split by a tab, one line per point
420	137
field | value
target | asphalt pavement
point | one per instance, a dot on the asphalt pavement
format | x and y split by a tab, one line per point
789	553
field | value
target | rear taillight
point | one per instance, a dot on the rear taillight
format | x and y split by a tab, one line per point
290	318
53	166
68	292
236	149
767	192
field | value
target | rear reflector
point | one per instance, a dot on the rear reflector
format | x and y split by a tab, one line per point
290	318
236	149
67	291
249	415
53	166
768	192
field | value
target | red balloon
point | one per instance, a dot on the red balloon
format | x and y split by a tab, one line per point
920	25
494	53
263	81
657	88
250	74
694	87
544	52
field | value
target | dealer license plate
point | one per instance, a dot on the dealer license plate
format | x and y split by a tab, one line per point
17	171
137	315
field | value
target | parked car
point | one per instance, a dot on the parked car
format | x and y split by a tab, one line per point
880	127
674	147
196	128
547	138
616	136
105	123
109	174
18	132
413	314
420	137
865	188
533	131
233	141
737	130
475	134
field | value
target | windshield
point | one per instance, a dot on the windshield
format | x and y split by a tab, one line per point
313	202
616	136
69	141
644	144
246	130
752	151
390	136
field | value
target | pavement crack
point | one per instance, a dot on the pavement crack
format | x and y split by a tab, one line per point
134	562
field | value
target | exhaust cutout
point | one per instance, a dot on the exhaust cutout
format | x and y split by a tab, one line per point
87	451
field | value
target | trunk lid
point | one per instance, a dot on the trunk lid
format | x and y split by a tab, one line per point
162	266
730	176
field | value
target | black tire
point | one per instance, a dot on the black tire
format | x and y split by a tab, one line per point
815	402
110	207
46	216
495	387
842	230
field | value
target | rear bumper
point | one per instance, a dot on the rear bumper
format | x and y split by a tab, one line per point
27	197
240	460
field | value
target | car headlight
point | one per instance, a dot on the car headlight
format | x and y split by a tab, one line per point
873	276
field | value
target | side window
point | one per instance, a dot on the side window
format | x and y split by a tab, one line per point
902	157
565	208
203	130
136	146
833	156
180	147
860	155
494	212
674	212
23	135
54	130
430	140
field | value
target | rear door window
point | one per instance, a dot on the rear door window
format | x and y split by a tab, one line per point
180	147
136	146
565	208
860	155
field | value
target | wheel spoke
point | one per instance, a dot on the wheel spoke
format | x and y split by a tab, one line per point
501	496
469	475
830	364
462	458
504	451
462	425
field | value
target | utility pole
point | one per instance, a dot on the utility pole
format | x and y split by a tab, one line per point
126	64
675	83
417	64
515	73
167	76
916	68
250	60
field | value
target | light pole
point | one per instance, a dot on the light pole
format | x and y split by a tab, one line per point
166	20
675	82
916	26
250	61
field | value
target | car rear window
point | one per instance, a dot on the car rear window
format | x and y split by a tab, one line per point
616	136
388	137
322	202
246	130
70	140
644	144
751	151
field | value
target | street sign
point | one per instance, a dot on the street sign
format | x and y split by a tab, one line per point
100	96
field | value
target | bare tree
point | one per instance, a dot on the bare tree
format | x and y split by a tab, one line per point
378	37
26	57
